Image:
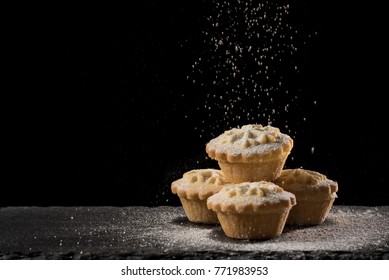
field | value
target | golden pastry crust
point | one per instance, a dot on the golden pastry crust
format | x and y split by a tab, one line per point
256	210
315	195
250	143
194	188
197	212
199	184
306	182
253	226
251	198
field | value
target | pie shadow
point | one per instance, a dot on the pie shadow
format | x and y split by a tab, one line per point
217	234
183	221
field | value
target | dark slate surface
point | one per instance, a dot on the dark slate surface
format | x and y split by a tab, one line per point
350	232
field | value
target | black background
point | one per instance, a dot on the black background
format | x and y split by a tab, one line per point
99	99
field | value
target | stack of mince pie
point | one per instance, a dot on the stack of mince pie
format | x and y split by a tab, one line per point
252	196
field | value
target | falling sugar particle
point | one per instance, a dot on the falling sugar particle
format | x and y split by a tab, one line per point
312	150
243	70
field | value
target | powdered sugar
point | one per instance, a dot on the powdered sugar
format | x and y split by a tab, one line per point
215	144
144	232
256	195
199	183
302	180
346	229
233	141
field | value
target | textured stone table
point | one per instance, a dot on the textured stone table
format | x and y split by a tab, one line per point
350	232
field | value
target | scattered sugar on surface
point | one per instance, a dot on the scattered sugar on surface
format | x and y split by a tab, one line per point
344	229
145	231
